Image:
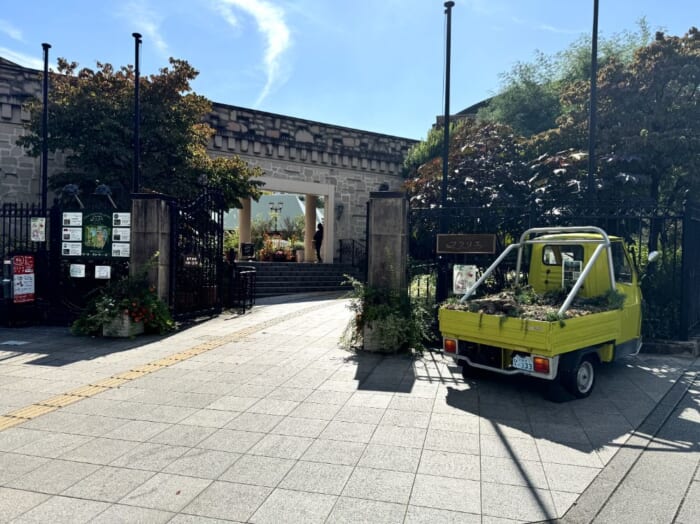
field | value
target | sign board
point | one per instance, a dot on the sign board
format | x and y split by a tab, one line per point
72	234
247	250
121	219
23	279
474	244
97	235
463	277
77	270
73	219
38	229
71	249
121	250
103	272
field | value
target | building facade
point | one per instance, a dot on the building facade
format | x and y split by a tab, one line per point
297	156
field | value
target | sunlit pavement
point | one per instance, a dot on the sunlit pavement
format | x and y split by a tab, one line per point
265	418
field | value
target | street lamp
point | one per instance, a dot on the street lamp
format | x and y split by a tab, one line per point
441	284
45	129
592	114
135	182
274	211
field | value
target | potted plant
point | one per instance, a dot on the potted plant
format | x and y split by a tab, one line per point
298	248
124	308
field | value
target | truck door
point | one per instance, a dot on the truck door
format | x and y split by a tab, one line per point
626	282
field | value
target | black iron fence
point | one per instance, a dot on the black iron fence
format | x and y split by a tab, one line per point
671	286
354	253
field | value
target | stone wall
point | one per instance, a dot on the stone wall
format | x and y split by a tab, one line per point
286	148
19	174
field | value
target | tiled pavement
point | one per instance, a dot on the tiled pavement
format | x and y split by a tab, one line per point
269	420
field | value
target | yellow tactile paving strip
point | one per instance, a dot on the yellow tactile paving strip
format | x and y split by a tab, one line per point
37	409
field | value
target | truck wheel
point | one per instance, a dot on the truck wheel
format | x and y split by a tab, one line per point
579	379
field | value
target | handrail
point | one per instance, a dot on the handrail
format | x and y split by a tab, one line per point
604	243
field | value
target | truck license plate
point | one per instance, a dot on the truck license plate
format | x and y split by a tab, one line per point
524	363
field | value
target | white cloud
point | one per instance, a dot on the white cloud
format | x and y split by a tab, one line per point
22	59
557	30
11	31
147	22
271	23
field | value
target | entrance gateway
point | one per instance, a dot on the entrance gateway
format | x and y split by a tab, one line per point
311	191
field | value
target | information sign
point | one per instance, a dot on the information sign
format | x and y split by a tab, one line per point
23	279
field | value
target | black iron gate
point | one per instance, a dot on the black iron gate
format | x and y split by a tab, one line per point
197	255
671	288
24	231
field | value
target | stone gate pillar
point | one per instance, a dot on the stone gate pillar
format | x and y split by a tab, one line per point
150	233
387	248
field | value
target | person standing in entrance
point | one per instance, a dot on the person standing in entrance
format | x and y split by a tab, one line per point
318	240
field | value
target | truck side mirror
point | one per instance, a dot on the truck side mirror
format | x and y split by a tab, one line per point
653	255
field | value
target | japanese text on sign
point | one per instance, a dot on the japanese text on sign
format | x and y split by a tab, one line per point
23	279
482	243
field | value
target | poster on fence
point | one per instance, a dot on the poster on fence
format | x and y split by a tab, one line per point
38	229
23	279
463	277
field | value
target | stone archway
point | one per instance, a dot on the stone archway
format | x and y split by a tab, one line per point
311	190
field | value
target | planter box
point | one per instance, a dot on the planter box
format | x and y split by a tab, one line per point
122	326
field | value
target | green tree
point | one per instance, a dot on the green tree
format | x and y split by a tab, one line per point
648	133
487	166
91	122
530	97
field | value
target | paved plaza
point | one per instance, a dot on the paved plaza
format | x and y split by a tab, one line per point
265	418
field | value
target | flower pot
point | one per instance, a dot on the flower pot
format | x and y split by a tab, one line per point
300	255
122	326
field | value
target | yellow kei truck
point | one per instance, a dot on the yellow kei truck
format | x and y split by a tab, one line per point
588	263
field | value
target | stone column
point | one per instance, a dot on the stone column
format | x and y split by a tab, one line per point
309	227
150	233
244	229
244	221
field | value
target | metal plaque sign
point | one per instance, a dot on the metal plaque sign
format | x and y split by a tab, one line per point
474	244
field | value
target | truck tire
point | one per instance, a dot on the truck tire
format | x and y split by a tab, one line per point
578	375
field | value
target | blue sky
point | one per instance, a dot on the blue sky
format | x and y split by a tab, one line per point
375	65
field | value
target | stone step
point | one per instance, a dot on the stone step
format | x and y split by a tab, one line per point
281	278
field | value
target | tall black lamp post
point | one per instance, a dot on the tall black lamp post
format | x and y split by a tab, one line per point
441	285
590	182
45	130
137	117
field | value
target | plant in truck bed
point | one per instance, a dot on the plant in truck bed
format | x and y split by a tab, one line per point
524	302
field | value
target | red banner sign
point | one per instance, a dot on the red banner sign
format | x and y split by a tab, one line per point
23	278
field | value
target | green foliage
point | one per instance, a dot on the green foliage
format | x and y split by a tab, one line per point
132	295
648	122
487	165
398	322
661	291
231	240
427	149
91	115
530	97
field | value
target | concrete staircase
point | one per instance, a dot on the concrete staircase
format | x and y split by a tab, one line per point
285	278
